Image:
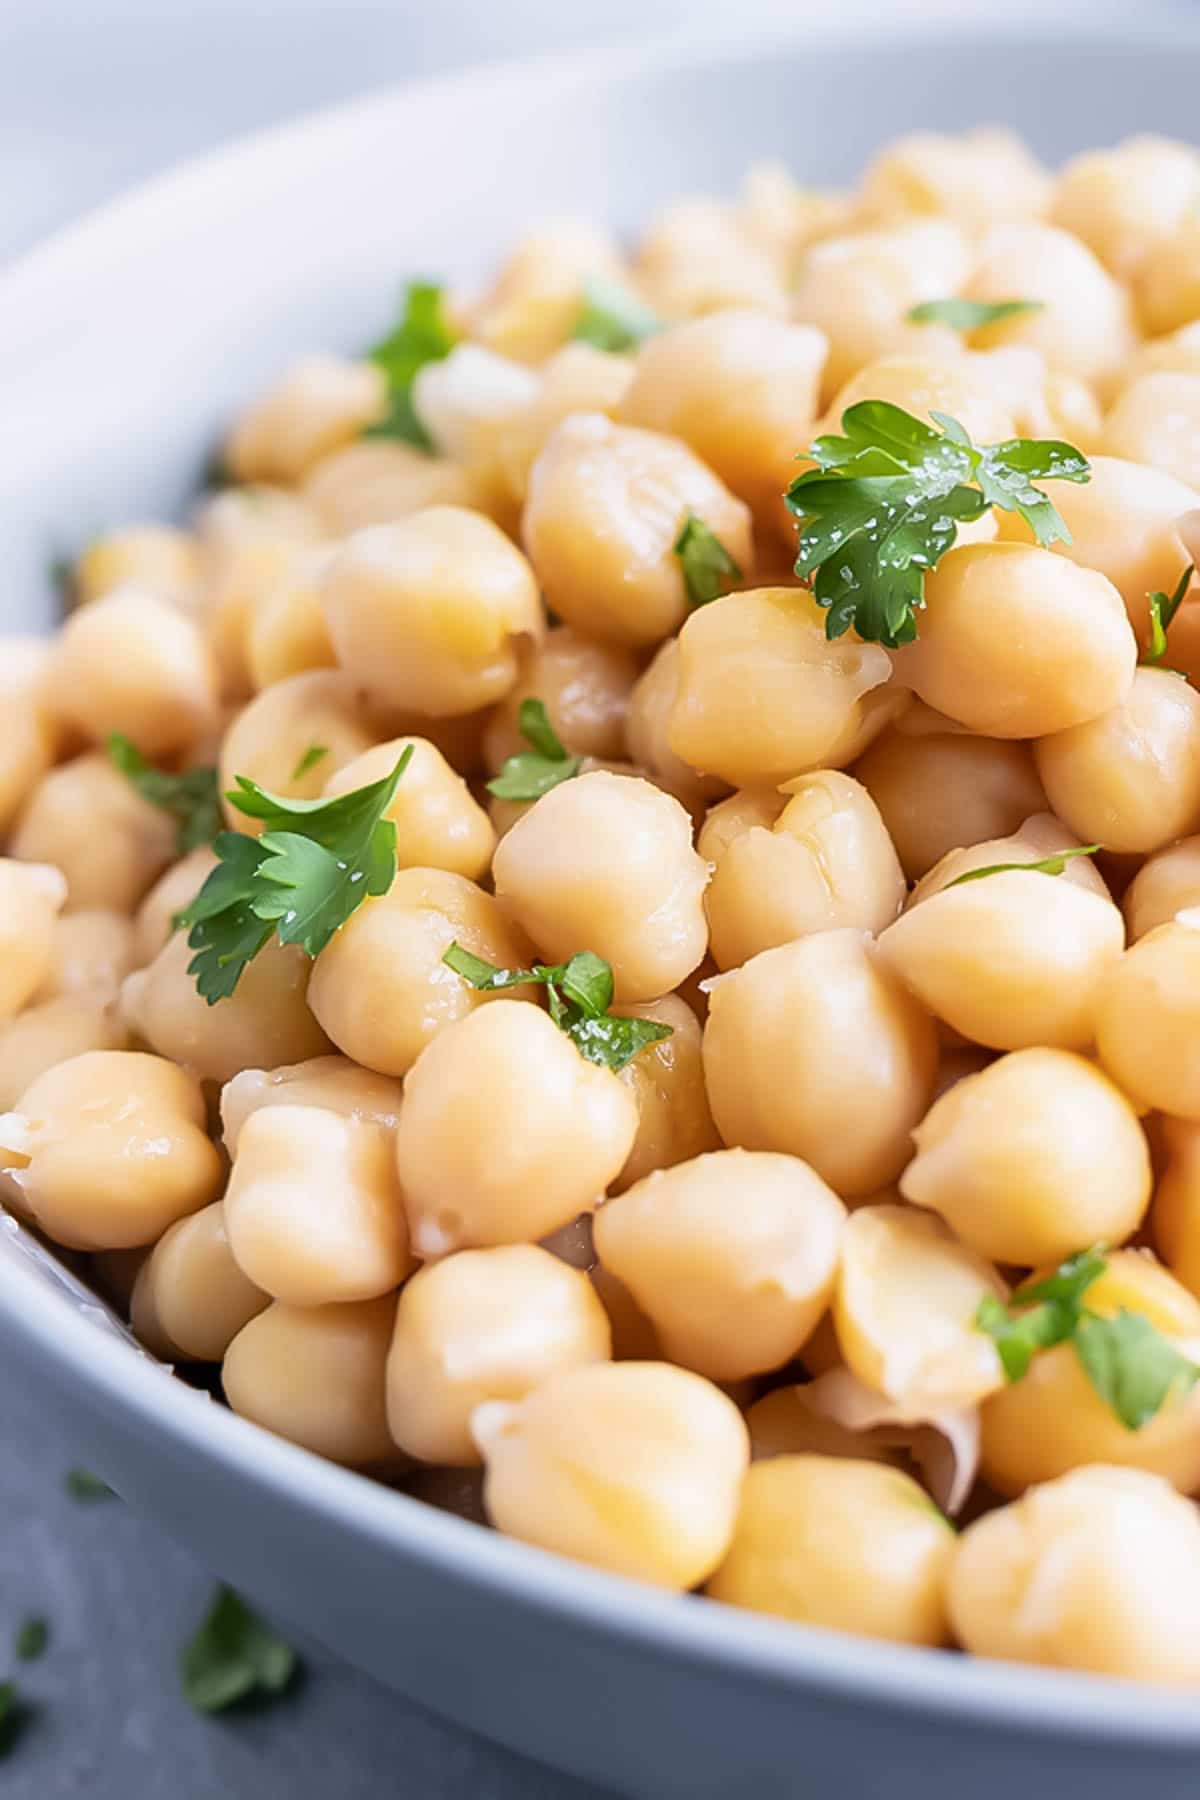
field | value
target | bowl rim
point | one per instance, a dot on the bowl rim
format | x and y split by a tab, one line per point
708	1636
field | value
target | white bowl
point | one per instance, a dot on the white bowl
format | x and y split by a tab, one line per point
124	343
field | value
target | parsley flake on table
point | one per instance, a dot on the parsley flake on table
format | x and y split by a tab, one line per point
423	335
1163	608
314	865
708	569
190	798
81	1484
533	772
611	318
885	502
579	994
33	1634
233	1656
969	315
1048	865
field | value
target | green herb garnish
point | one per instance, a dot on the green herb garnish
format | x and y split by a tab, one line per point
969	315
32	1637
14	1716
234	1655
579	994
612	318
81	1484
1049	865
708	569
423	335
190	798
533	772
312	756
314	865
1163	608
885	503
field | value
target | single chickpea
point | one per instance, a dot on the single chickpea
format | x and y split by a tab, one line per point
1016	642
439	823
763	695
781	216
648	732
315	1375
1167	289
740	812
313	1209
815	1049
50	1032
848	1545
578	378
269	739
1166	884
319	404
331	1082
697	258
731	1256
378	481
107	1150
474	404
133	663
827	861
606	862
1033	1157
380	988
251	540
1034	840
1099	1570
667	1081
783	1424
154	920
31	897
585	687
1175	1212
534	302
484	1325
1085	324
285	631
266	1020
976	178
156	559
1176	353
429	612
963	385
507	1132
1053	1420
31	737
1127	203
190	1298
633	1467
1147	1017
1156	420
92	953
89	821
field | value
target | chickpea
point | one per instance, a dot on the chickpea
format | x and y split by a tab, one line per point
667	1081
173	891
535	300
108	1149
781	216
826	862
1034	1156
252	539
429	612
1099	1570
741	812
315	1375
965	386
439	823
977	178
1175	1214
113	1273
907	1295
648	729
585	687
285	631
331	1082
269	738
89	821
605	863
1053	1420
696	258
782	1423
815	1049
156	559
51	1031
1085	325
30	740
1176	353
380	988
319	404
133	663
1034	840
763	695
313	1209
633	1467
844	1544
1156	420
1016	642
190	1298
380	480
575	379
484	1325
1168	287
92	953
731	1256
1127	203
1166	884
266	1021
31	898
1146	1021
507	1132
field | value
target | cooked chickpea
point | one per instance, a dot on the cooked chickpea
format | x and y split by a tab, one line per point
153	922
484	1325
1166	884
315	1375
729	818
380	988
603	512
269	739
157	559
585	687
634	1467
1156	420
378	481
977	178
815	1049
474	404
51	1031
89	821
429	612
782	1423
190	1298
827	861
667	1081
696	258
731	1256
1085	324
648	731
1099	1570
507	1132
1175	1213
30	740
535	299
439	823
1127	203
92	953
108	1149
1168	287
31	897
252	540
133	663
575	379
1033	1157
285	630
1148	1021
331	1082
852	1546
605	863
963	385
320	403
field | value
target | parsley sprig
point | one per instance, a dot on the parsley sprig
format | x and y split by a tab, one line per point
1049	865
1131	1365
708	569
533	772
579	994
1163	608
423	335
885	502
233	1656
190	798
970	315
314	865
611	318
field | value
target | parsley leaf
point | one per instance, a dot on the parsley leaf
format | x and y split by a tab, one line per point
312	756
1163	608
969	315
708	569
14	1715
1049	865
32	1637
423	335
81	1484
190	798
314	865
885	501
612	318
1041	1315
579	994
533	772
234	1655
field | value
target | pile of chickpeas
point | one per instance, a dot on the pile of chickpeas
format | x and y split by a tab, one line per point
708	1321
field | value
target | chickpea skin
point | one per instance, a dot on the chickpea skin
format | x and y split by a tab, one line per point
1148	1021
190	1299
